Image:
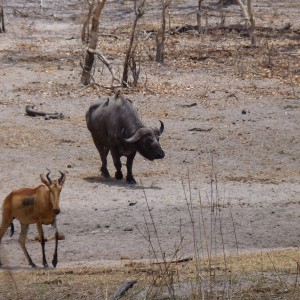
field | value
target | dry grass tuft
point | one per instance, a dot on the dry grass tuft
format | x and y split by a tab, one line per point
262	275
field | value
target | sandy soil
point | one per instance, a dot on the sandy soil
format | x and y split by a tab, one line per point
232	123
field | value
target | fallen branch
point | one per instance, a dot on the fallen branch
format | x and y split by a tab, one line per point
61	237
106	62
189	105
123	289
177	261
201	129
18	13
109	35
32	112
287	26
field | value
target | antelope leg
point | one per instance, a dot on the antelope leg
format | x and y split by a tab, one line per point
22	239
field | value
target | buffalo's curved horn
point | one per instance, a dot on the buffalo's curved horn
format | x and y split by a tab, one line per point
138	134
48	176
62	178
162	127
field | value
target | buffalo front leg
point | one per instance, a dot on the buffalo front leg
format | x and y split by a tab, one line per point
22	240
54	260
43	241
117	162
129	163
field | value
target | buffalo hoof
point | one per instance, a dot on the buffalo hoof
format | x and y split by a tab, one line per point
130	180
119	175
105	174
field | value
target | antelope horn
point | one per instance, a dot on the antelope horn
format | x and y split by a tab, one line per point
48	176
62	177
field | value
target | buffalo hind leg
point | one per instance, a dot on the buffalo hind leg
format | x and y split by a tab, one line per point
22	240
129	163
117	162
103	155
103	151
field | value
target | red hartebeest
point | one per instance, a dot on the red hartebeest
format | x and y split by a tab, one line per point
34	206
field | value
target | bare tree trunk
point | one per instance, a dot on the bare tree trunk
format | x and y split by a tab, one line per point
160	36
92	40
252	30
85	31
244	12
249	19
199	16
2	25
135	69
139	11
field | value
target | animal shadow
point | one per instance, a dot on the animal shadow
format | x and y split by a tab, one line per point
121	183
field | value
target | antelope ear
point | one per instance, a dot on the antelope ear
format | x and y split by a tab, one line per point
45	180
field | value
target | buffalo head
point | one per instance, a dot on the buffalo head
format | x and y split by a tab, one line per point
146	140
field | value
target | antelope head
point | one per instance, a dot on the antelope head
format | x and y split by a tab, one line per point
55	187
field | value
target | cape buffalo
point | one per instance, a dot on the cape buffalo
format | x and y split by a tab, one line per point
116	127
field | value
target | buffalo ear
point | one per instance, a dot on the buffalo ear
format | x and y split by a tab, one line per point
45	180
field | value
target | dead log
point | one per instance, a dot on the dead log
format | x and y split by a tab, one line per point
123	289
32	112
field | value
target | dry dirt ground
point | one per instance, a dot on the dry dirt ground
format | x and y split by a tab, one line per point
232	123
